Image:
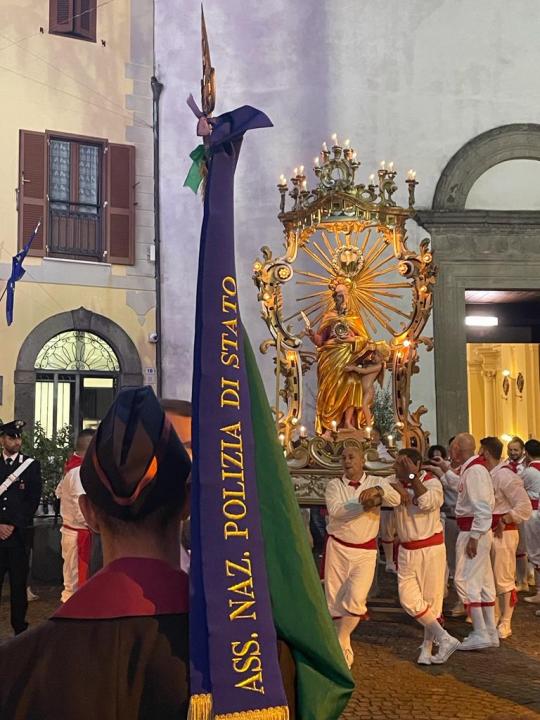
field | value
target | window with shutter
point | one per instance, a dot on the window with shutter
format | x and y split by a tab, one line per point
74	18
121	204
32	189
83	190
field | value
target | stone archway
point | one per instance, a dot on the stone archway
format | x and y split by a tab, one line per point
475	249
80	319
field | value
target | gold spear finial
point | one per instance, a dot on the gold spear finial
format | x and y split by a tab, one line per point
208	82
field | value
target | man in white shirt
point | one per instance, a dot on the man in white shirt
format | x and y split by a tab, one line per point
517	461
76	536
512	507
531	481
422	554
442	468
353	502
474	575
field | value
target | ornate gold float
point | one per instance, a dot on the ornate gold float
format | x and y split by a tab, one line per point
369	294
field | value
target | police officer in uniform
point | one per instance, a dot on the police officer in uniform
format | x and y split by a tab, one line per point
20	492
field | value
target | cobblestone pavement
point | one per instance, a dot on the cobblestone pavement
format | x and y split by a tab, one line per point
499	684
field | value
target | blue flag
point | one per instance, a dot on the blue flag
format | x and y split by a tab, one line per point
17	271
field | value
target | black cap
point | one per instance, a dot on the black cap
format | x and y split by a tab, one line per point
135	463
13	428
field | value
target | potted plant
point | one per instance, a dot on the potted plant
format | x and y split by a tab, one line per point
52	453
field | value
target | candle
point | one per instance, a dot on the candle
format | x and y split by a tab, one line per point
334	425
334	139
316	161
301	170
354	155
295	172
411	175
281	437
303	431
390	441
325	147
383	165
391	166
371	179
282	180
368	432
347	142
304	184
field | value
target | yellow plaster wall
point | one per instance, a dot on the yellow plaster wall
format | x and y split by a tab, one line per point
51	82
491	410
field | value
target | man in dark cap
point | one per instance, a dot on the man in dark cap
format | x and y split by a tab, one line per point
20	492
118	648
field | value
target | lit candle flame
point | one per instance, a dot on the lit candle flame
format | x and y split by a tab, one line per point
334	139
325	147
316	161
347	142
334	425
411	175
282	180
295	172
383	165
301	170
371	179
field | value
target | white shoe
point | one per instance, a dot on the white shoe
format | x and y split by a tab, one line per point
504	630
30	596
477	640
458	610
425	655
349	657
522	587
534	599
494	637
447	646
391	568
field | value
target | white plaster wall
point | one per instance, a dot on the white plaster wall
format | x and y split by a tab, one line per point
406	81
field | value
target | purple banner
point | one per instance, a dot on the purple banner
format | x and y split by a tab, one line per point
233	640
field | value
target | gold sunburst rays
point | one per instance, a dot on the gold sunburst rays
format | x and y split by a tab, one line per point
372	298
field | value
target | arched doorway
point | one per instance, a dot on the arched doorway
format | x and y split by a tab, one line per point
89	346
76	379
476	249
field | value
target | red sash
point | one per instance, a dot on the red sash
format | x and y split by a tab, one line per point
84	547
534	503
535	464
369	545
436	539
508	526
465	522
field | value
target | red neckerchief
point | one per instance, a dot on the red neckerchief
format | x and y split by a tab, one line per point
478	460
129	587
535	464
356	483
72	462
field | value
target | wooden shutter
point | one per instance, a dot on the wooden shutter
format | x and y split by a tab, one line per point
85	19
32	189
120	195
61	16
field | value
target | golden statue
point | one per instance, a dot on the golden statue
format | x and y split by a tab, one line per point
348	364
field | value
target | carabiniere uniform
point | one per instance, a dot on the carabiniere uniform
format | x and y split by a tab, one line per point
20	492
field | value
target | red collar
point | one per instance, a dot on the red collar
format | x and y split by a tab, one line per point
72	462
475	460
129	587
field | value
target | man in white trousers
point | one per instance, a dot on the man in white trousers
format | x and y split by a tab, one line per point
531	481
474	575
76	536
354	503
512	508
422	553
